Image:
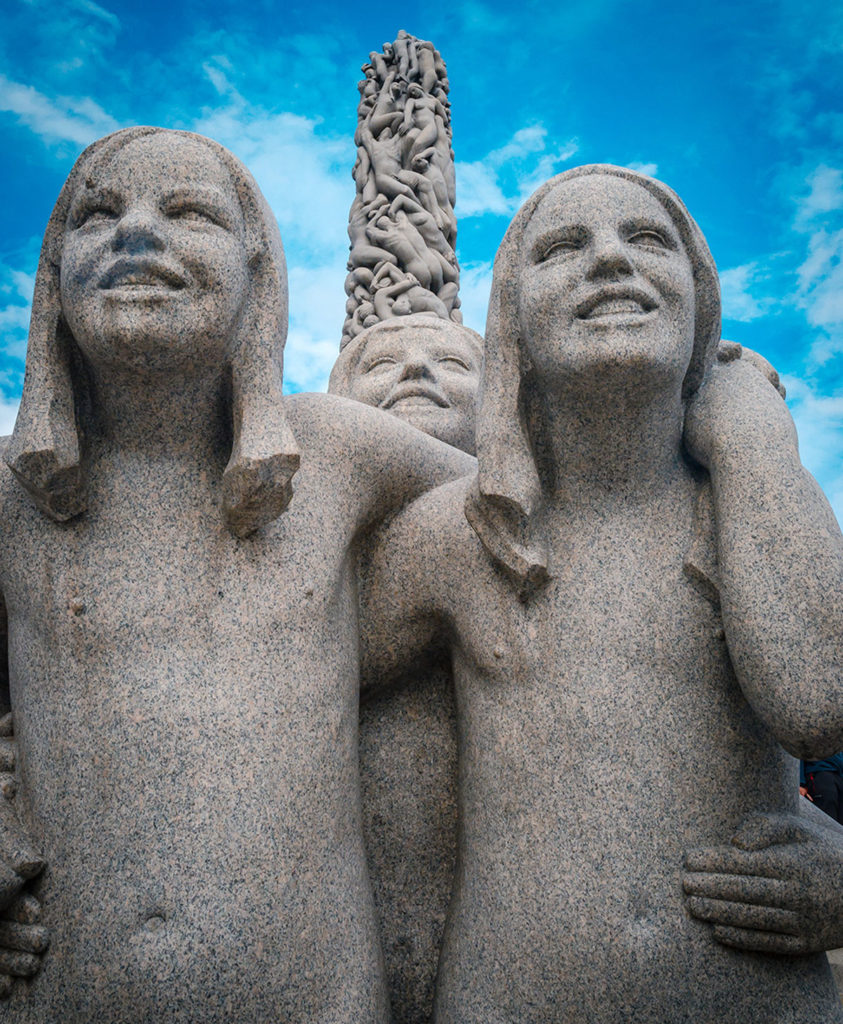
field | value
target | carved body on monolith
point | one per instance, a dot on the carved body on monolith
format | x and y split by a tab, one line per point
402	224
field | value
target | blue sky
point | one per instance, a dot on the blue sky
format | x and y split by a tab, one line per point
738	106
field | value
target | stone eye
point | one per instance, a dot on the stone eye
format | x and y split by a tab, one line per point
562	247
193	214
649	239
453	361
380	363
92	214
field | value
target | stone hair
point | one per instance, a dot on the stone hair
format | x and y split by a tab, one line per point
502	503
46	451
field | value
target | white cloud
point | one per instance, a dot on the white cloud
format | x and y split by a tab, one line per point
8	414
305	175
478	191
17	285
736	286
475	285
825	195
317	311
65	119
650	169
819	422
14	317
819	215
505	177
526	140
308	361
24	284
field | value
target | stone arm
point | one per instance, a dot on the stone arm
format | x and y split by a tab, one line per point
777	888
384	463
400	626
779	555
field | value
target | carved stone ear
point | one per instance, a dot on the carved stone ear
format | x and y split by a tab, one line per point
45	451
257	482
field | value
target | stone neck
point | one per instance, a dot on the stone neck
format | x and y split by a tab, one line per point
599	448
176	416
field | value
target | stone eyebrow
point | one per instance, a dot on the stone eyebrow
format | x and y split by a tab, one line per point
649	222
90	195
212	199
557	233
199	191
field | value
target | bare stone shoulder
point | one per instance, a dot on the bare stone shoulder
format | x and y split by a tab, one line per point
386	462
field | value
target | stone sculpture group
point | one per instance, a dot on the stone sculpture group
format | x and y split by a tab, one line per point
634	594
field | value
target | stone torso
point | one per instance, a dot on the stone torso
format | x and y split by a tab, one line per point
602	733
186	709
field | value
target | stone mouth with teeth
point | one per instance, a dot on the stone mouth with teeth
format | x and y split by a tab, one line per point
140	278
616	306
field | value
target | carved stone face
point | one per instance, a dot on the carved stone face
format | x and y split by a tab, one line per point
154	271
426	375
607	284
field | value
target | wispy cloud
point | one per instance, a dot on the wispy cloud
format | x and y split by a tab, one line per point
819	423
651	169
506	176
819	216
66	119
317	311
8	414
475	285
737	286
63	38
16	288
305	174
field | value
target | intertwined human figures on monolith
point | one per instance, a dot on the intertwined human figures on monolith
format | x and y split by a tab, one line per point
402	225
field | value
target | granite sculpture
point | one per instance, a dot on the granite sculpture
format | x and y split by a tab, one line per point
402	225
642	591
426	371
638	586
183	665
422	369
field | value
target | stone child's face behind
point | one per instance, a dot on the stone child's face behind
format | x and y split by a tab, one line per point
606	283
154	271
426	376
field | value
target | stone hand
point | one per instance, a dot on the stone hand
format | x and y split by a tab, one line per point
778	888
22	939
23	942
736	411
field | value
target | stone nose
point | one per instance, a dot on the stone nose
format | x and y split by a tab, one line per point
609	258
138	230
417	368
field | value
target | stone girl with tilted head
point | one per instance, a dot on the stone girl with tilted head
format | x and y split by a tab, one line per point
183	670
635	627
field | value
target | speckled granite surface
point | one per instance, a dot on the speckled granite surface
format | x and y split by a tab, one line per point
640	591
425	371
408	775
183	659
644	610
